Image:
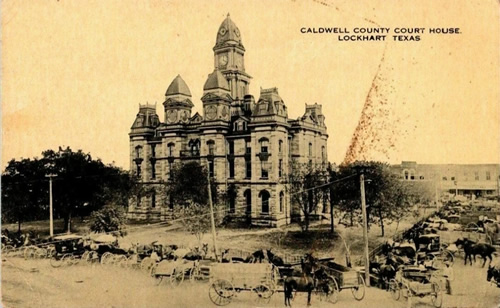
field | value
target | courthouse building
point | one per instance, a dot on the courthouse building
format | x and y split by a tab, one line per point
245	143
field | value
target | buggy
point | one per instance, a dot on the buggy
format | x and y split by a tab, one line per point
67	249
413	281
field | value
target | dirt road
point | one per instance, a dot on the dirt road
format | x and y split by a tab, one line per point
34	283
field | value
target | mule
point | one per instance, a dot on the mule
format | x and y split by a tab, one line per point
274	259
472	249
493	273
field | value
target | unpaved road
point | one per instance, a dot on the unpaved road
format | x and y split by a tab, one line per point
34	283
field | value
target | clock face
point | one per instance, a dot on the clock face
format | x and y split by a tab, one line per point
237	32
172	116
211	112
224	113
223	60
239	62
222	31
184	116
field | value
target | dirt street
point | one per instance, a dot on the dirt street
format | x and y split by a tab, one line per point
34	283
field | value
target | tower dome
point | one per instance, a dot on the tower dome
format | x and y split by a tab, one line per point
216	81
228	33
178	87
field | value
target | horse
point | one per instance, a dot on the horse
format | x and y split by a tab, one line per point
257	255
493	272
197	254
304	283
472	249
274	259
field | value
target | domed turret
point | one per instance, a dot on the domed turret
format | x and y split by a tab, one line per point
178	87
216	81
228	33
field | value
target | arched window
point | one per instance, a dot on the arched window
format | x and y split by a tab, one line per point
323	154
232	202
138	151
280	146
310	149
248	200
195	147
264	145
171	147
406	174
282	201
264	197
211	147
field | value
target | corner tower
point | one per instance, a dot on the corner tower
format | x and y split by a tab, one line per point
229	59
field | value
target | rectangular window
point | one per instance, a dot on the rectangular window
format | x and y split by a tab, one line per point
453	178
153	200
476	176
153	169
488	176
231	168
211	168
153	150
280	167
264	171
231	147
445	178
248	169
138	170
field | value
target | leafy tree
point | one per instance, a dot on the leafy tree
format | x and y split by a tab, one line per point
110	218
189	184
307	186
81	185
386	197
196	218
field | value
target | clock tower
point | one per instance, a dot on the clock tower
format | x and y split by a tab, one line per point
229	59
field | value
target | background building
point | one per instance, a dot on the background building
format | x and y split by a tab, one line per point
471	180
244	142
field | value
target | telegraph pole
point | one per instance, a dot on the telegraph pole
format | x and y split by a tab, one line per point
365	230
50	176
212	219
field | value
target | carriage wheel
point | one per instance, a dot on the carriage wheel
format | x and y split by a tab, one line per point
194	274
221	292
444	256
68	259
437	295
264	293
132	261
153	268
146	263
358	292
56	261
330	293
120	260
29	252
7	250
177	276
85	256
51	252
394	289
107	258
92	257
406	292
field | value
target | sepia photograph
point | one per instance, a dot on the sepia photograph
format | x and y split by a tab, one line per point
250	153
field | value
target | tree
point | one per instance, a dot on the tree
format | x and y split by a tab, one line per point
110	218
386	197
196	219
81	185
189	184
308	189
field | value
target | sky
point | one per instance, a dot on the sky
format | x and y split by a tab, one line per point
74	72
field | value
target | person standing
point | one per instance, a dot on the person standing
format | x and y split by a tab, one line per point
448	275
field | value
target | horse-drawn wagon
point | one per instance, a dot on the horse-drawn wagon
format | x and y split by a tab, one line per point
68	249
228	279
345	278
413	281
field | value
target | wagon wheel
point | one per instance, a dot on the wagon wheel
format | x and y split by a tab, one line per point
394	289
41	253
146	263
177	276
51	252
107	258
132	261
68	259
437	295
406	292
329	291
264	293
444	256
194	274
120	260
221	292
91	257
7	250
29	252
152	269
56	261
358	292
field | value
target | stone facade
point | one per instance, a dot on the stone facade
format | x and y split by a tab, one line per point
244	142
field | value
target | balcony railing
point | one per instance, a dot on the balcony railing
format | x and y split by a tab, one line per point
190	153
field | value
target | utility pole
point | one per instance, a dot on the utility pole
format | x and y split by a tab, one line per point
212	219
365	230
50	176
